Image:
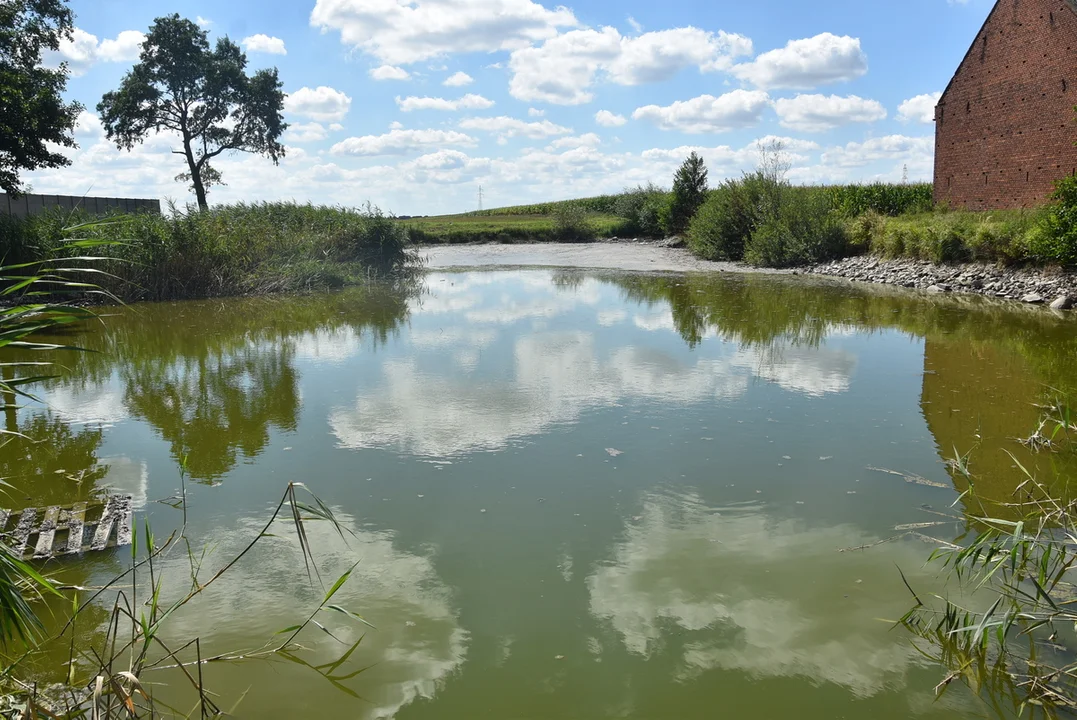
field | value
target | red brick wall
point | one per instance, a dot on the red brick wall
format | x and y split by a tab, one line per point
1005	128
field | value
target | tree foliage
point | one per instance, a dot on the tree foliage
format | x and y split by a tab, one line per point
181	85
32	109
689	192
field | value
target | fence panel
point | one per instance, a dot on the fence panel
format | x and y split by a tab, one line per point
29	204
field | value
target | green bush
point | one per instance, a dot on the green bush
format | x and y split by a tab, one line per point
799	228
728	218
689	192
1055	239
861	231
572	223
642	208
656	216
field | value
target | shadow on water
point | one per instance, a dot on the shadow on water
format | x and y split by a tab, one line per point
987	365
218	376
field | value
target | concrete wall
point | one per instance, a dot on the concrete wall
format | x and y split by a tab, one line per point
1005	127
26	205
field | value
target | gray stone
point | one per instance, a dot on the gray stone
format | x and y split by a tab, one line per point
1033	299
1064	302
937	289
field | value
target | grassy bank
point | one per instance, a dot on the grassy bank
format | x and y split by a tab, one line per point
231	250
1005	237
644	212
764	220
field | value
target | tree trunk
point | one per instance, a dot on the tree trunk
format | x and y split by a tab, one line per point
199	191
196	175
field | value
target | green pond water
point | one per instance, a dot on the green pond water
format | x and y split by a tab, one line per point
570	494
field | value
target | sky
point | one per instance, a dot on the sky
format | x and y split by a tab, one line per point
413	105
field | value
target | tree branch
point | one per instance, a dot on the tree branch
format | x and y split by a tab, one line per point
218	151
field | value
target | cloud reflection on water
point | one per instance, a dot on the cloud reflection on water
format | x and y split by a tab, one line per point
736	589
439	408
418	642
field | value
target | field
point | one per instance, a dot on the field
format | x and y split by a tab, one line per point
505	226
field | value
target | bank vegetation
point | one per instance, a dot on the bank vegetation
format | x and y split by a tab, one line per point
230	250
763	219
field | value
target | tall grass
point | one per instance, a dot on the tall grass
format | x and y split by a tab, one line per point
30	289
1006	630
1005	237
241	249
111	679
111	676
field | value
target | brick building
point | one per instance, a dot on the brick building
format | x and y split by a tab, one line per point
1005	126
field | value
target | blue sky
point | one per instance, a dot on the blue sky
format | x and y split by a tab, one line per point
413	104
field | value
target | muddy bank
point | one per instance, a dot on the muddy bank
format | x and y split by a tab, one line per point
1033	286
611	255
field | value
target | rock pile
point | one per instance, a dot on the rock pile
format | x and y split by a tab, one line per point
1036	286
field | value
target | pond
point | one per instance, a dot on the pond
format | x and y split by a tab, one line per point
570	494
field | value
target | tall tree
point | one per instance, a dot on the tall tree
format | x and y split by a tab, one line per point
32	109
689	192
203	95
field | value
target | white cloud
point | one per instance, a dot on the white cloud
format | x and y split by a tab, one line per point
723	160
88	124
125	48
563	69
605	118
264	44
323	104
406	32
399	141
305	132
817	113
805	64
202	22
508	127
458	79
726	156
586	140
891	147
389	72
82	50
467	102
708	114
444	167
535	112
919	109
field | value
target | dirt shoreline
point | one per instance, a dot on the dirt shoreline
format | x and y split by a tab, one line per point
656	256
1030	286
